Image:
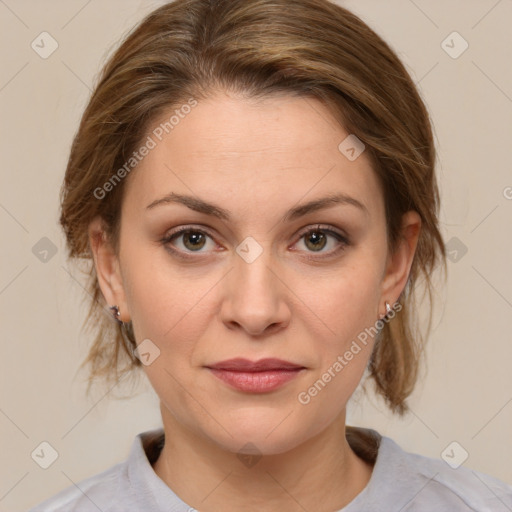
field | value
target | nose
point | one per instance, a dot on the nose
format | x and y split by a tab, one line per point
255	299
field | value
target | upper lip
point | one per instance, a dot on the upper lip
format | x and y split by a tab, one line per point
240	364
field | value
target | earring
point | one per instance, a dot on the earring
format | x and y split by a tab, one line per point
116	313
126	330
388	310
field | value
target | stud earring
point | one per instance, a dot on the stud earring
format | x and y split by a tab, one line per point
116	314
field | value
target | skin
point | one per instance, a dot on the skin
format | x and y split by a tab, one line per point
257	159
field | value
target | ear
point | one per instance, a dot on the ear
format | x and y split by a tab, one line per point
399	263
107	267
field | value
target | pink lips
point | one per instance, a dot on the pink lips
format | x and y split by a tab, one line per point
255	376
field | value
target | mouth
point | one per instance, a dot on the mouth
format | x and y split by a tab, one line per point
255	376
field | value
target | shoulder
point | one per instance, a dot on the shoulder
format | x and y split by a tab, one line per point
117	489
92	494
423	483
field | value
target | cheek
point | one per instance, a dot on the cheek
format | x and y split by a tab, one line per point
344	342
157	293
345	302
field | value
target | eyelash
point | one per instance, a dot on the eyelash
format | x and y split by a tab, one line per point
343	241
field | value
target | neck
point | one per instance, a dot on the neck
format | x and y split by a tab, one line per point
322	474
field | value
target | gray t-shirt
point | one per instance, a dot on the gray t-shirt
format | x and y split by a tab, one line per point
400	482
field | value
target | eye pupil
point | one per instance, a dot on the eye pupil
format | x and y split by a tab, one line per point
196	238
317	237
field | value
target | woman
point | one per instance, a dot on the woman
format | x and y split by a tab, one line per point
253	182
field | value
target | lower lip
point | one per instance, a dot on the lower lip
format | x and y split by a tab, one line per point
256	382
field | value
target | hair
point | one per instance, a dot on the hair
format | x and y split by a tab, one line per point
310	48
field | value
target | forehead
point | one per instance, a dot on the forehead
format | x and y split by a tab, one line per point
251	153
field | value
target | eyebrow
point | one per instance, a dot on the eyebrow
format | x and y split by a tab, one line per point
198	205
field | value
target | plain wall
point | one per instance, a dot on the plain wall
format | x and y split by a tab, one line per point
466	395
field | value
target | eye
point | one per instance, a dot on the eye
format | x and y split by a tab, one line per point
186	240
318	238
191	240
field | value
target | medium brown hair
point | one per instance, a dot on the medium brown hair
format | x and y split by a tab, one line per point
189	48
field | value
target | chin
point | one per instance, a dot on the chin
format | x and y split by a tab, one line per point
259	444
270	433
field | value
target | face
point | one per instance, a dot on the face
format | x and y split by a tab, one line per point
255	275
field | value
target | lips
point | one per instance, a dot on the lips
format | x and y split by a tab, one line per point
260	376
263	365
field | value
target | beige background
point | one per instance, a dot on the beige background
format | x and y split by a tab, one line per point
467	394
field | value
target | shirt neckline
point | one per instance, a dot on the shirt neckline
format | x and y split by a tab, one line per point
365	442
